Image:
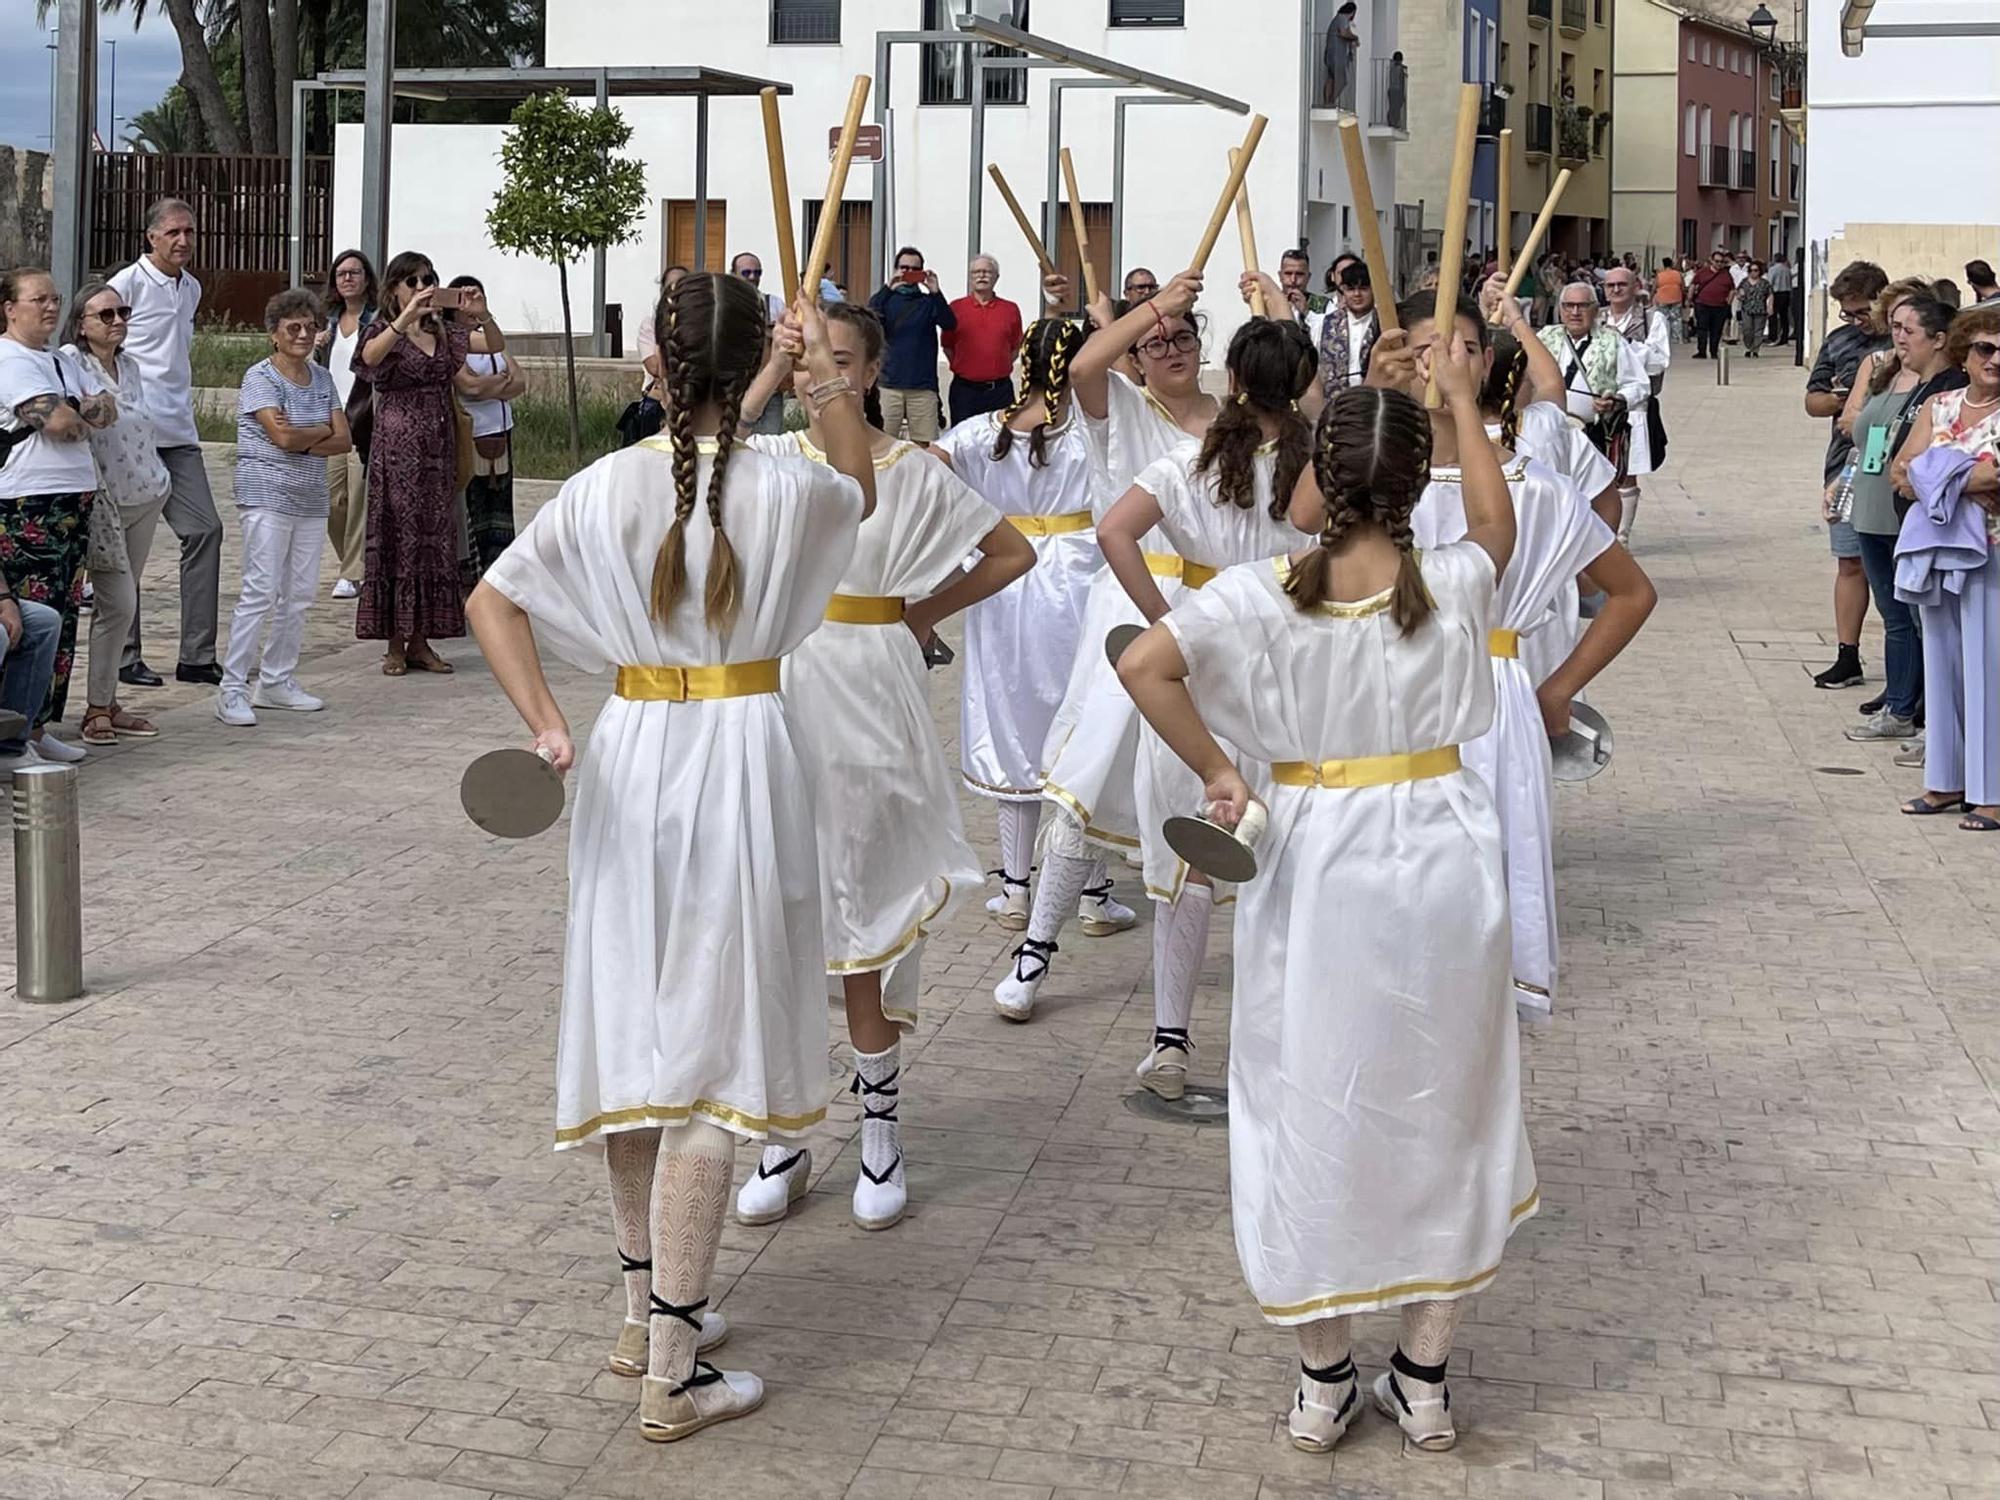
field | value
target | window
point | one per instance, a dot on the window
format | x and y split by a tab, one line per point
1597	11
677	247
1597	89
1735	128
1148	13
1707	55
1694	45
1707	130
805	21
947	69
1777	163
1687	130
1534	63
847	262
1097	224
1776	92
1689	231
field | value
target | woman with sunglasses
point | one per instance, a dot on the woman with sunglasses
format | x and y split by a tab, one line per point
1962	629
351	298
132	486
412	590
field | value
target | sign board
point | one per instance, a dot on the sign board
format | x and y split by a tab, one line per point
867	143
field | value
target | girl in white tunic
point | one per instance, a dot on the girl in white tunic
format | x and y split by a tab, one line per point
1033	465
892	850
1221	504
694	996
1092	747
1558	537
1377	1156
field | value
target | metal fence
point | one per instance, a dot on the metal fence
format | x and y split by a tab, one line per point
1392	94
241	206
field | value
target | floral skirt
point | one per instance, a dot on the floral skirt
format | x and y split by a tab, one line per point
43	542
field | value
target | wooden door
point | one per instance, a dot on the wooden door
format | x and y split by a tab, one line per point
677	237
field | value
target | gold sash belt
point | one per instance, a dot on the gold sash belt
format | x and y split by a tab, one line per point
1368	770
1162	564
1505	643
736	679
1058	525
864	609
1197	575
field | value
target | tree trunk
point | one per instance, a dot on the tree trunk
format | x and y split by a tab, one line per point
284	64
322	131
569	362
260	107
204	88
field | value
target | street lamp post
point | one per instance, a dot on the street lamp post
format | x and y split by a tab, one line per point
1789	59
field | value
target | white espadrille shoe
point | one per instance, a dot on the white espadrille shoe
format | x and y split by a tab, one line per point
1100	914
1010	907
1417	1399
780	1181
670	1410
1165	1068
1014	996
1327	1404
880	1193
629	1358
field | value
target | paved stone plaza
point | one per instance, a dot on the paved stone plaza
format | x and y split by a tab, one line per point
278	1214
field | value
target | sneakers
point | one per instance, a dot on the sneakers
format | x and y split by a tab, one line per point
1882	726
289	695
47	747
629	1357
1844	673
1099	914
234	708
780	1180
1912	754
1010	907
1420	1406
1325	1407
1014	996
671	1410
1165	1070
347	588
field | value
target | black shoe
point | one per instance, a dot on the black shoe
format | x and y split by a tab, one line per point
1844	673
139	675
1874	705
207	672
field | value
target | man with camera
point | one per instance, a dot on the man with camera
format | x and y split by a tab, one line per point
913	312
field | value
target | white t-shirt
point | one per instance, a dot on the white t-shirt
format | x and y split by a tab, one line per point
489	418
340	361
42	465
161	342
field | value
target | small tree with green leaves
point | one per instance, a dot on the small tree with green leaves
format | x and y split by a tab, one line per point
567	193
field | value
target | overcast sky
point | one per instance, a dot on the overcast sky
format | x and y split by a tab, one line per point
148	61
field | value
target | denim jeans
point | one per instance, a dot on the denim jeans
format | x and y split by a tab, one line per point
1902	645
28	665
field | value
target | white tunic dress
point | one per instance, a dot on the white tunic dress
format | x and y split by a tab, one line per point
1093	744
1210	534
1376	1150
1544	431
1021	642
892	849
1556	536
693	980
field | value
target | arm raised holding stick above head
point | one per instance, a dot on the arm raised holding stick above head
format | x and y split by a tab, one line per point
836	187
1238	169
1371	227
781	195
1451	253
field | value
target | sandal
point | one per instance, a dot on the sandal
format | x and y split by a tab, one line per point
133	726
99	727
395	666
1976	822
430	661
1923	807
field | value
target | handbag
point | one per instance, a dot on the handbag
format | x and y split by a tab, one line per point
639	421
466	453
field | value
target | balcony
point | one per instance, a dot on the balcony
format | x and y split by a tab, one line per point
1333	90
1573	135
1391	101
1540	12
1541	123
1712	166
1575	16
1492	114
1746	171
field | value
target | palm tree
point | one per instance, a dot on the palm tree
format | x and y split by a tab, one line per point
169	127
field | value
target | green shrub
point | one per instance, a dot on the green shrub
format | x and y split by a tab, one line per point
221	355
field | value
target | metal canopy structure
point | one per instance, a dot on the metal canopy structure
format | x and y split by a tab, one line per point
440	84
1856	27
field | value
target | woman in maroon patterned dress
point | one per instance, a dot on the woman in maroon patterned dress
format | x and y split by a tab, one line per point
412	591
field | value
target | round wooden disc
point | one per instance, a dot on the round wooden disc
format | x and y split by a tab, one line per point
1585	750
1118	638
512	794
1213	850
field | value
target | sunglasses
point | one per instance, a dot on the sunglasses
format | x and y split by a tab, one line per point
112	315
756	275
1985	351
1184	342
296	330
421	280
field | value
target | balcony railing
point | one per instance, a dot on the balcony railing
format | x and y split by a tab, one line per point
1746	171
1573	134
1575	16
1712	167
1541	123
1392	94
1542	11
1333	90
1492	115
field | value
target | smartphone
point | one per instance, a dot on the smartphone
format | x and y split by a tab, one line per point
911	278
448	296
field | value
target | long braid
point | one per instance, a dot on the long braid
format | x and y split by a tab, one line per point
721	597
1271	364
1510	410
670	566
1062	347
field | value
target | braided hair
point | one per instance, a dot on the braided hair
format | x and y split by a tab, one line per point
1502	391
1371	460
1046	351
711	331
1271	364
867	326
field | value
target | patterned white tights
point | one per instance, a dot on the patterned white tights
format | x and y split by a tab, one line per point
683	1173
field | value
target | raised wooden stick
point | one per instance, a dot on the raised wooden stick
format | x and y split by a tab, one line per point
1503	244
1532	243
836	186
1027	229
1451	254
1372	254
1238	168
1247	233
1076	225
781	194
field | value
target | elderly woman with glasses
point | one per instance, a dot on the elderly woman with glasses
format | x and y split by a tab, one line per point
412	590
133	484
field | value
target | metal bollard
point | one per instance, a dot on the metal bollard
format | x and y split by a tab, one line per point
48	885
1722	364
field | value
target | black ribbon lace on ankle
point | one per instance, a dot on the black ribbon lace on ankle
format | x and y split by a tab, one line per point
782	1167
1008	881
1172	1036
690	1314
1038	953
626	1263
886	1089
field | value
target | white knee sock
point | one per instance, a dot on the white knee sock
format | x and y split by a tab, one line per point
1180	943
629	1155
1063	879
1019	823
690	1200
1425	1344
1326	1360
877	1080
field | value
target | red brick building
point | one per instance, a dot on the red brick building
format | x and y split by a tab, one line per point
1722	147
1780	170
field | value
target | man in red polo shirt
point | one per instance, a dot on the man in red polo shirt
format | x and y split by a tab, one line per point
1712	289
982	347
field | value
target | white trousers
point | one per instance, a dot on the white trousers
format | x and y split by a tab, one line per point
280	573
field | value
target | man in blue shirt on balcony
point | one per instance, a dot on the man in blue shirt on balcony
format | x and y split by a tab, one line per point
913	312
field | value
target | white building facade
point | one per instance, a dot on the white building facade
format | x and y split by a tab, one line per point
1265	53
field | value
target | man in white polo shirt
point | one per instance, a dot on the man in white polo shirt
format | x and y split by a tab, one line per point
163	296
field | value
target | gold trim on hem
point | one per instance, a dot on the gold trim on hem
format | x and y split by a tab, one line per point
1503	643
1409	1290
864	609
677	1114
839	968
1059	524
1367	770
736	679
1081	813
1021	793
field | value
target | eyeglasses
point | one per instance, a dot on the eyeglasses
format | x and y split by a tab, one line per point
297	330
351	270
1184	342
1579	307
45	300
1853	315
1985	351
421	280
111	315
1141	288
756	273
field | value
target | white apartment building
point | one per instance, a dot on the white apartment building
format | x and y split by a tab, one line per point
1265	53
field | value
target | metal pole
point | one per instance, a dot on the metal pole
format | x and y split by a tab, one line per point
48	885
701	183
1125	102
600	336
295	210
75	124
111	107
377	117
1053	202
975	208
878	213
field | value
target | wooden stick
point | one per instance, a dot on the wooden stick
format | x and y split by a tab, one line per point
1247	233
781	194
1503	244
1027	229
1533	242
1451	254
1372	254
1238	168
1076	225
836	187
